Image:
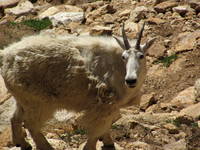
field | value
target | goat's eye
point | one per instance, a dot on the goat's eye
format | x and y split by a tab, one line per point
141	56
123	57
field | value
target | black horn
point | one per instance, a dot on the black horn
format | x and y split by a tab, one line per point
139	37
126	42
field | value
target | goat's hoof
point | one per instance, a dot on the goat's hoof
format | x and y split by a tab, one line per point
27	146
108	147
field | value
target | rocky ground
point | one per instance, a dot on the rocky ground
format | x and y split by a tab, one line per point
169	115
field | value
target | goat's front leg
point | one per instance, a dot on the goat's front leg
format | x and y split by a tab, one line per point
91	143
106	138
18	134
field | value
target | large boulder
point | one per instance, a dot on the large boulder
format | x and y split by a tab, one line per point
186	41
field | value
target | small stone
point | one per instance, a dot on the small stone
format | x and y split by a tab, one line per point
155	21
171	128
138	13
179	145
182	10
165	6
108	18
8	3
147	100
157	49
195	4
126	12
197	90
49	12
100	30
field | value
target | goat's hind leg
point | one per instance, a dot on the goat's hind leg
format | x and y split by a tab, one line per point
18	134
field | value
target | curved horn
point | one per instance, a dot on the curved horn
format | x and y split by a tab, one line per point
139	37
126	42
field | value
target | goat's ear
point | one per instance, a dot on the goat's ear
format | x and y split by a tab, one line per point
121	44
148	44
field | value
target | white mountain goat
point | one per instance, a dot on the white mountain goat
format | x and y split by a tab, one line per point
93	75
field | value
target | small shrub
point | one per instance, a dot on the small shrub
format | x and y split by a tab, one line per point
37	24
166	61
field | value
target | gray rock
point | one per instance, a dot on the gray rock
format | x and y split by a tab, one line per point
182	10
66	17
21	9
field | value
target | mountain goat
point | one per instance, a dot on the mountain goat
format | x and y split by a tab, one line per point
93	75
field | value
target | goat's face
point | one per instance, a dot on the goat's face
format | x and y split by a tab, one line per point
133	57
134	63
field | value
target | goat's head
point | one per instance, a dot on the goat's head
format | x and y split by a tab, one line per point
133	56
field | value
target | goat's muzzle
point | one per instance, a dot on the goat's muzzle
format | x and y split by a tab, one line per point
131	83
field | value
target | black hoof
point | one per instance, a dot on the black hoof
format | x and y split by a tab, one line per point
108	147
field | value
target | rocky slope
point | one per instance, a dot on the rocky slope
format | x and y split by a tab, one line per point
169	115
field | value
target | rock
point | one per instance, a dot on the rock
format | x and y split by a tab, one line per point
21	9
157	49
6	137
184	119
4	95
195	4
165	6
186	97
6	111
171	128
108	19
66	17
126	12
70	8
100	30
147	100
8	3
99	145
179	145
197	90
193	111
155	21
138	13
56	9
59	144
182	10
49	12
140	145
97	13
186	41
131	27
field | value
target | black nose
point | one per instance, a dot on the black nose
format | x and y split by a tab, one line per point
131	81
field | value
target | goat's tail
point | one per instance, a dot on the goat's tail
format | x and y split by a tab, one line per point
1	58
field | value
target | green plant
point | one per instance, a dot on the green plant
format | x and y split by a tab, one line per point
80	131
37	24
175	122
166	61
